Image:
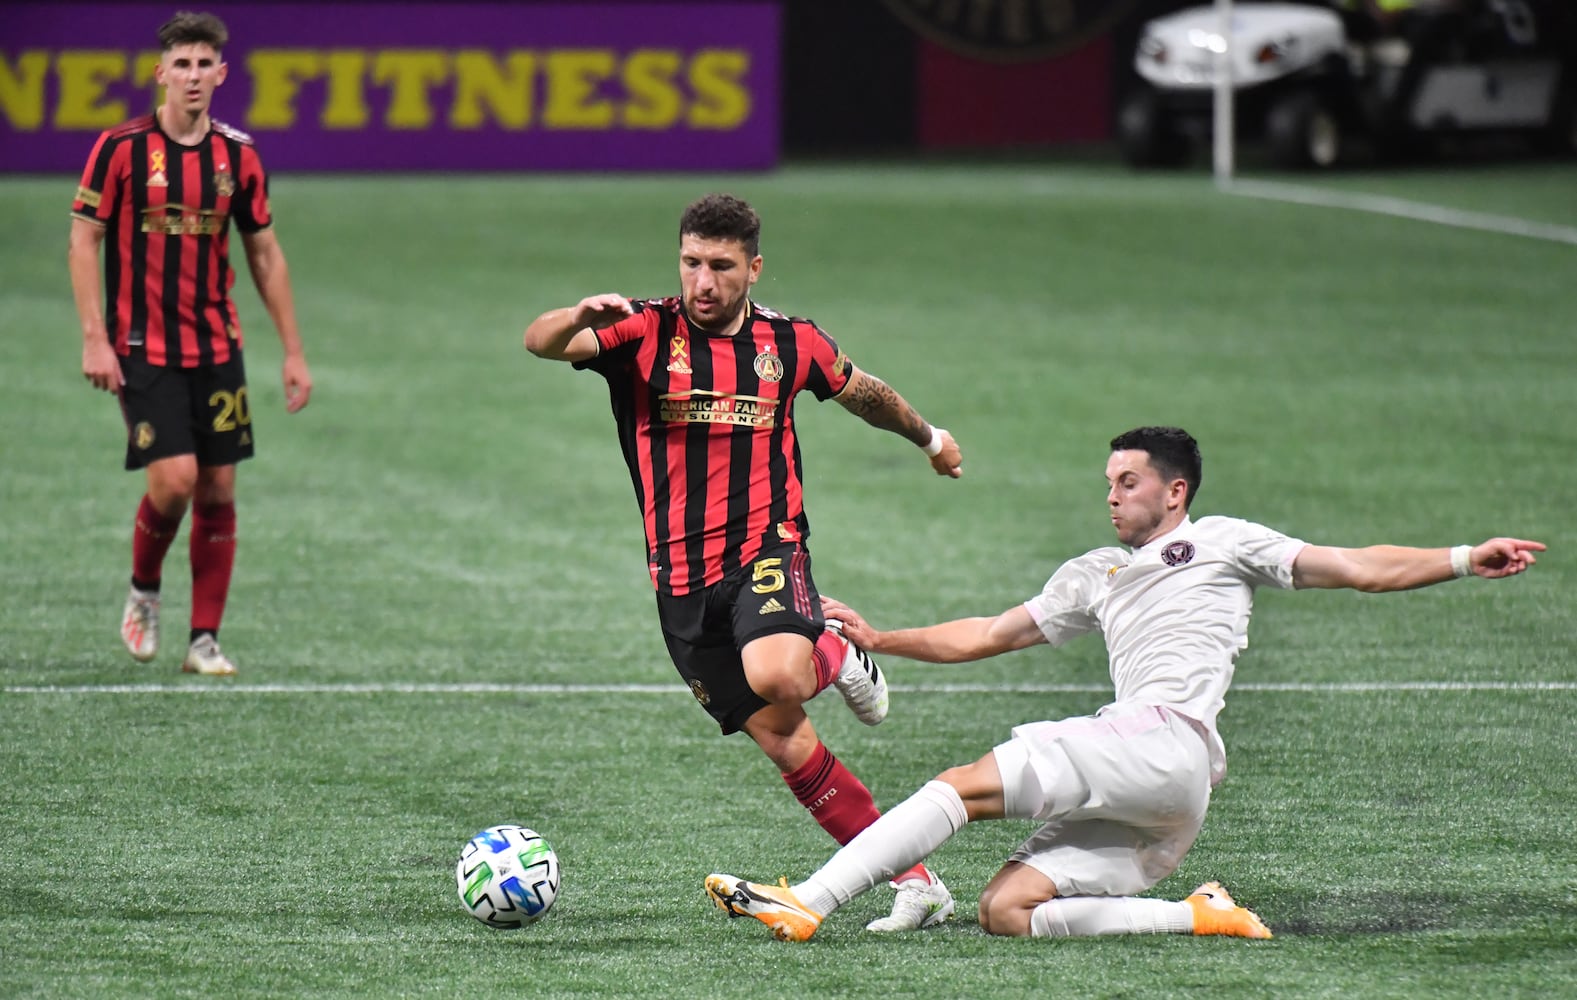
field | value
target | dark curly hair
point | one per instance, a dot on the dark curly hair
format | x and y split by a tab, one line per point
1173	453
723	217
189	28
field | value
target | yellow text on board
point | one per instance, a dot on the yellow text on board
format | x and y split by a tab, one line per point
409	88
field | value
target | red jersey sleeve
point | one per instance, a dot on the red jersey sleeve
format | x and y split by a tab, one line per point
617	343
829	366
632	328
250	207
623	338
98	196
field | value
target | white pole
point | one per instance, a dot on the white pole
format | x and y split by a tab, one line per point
1223	96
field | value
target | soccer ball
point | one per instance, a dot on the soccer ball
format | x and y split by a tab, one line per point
507	877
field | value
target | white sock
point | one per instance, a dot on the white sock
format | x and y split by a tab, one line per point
1088	916
903	835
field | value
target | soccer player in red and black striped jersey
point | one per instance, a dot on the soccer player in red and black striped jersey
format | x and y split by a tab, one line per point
158	195
703	387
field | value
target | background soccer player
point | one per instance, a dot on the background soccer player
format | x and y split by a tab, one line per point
161	190
703	388
1122	793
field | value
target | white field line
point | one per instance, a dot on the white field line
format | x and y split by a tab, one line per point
1404	209
221	688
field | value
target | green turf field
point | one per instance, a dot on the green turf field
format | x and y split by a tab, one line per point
450	511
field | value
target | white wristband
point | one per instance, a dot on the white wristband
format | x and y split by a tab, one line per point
1462	560
934	448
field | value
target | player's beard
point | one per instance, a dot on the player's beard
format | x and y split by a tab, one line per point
718	321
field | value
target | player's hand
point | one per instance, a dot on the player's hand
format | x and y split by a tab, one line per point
950	460
298	383
100	366
1500	557
856	629
602	311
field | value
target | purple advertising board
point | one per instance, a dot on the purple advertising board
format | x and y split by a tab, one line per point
405	86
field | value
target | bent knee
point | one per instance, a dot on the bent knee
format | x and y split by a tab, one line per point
1003	916
177	485
778	668
172	482
974	780
782	688
979	786
956	776
1001	923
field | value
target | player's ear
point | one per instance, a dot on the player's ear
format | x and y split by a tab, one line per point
224	71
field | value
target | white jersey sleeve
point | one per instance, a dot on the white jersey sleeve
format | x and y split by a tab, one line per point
1263	555
1067	606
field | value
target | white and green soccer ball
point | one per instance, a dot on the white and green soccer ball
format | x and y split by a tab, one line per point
507	876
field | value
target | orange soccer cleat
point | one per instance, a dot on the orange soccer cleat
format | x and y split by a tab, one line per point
1215	912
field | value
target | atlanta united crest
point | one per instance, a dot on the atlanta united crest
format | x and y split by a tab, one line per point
769	367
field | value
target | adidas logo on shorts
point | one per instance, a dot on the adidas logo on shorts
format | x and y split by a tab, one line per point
772	606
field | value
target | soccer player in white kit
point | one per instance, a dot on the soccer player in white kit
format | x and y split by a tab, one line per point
1122	794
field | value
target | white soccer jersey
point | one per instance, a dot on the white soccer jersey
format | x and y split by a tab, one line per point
1174	612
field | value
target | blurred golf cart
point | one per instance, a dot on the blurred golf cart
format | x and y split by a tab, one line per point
1313	82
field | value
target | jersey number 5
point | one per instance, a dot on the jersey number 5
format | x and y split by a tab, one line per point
767	575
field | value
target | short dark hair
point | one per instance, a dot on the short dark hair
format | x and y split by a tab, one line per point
189	28
1173	453
723	217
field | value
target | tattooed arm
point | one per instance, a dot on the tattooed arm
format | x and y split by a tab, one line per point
879	405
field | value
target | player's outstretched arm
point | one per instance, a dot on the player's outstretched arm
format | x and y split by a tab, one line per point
962	640
1380	569
879	405
568	334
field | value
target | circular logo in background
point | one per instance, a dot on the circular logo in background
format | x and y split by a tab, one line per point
1006	30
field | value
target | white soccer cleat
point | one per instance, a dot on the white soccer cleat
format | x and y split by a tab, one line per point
860	681
204	657
139	624
917	906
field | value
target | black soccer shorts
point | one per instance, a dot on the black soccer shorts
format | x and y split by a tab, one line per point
705	629
200	411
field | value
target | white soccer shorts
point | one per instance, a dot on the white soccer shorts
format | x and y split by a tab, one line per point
1122	794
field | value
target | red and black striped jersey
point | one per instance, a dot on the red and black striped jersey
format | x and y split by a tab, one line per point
706	425
167	273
